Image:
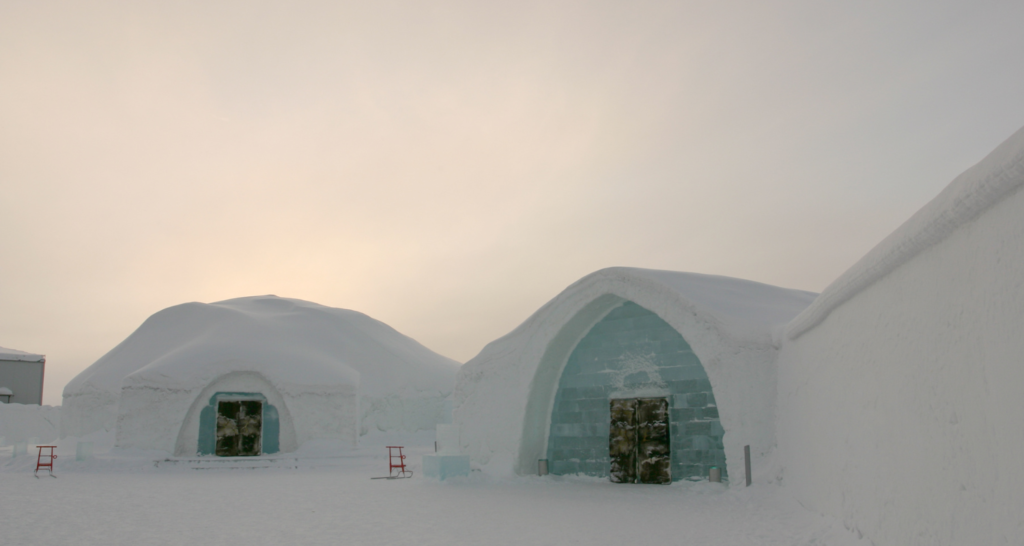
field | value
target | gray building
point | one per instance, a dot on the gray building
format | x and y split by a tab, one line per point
21	377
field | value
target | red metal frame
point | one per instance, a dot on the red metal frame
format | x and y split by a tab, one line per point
392	465
49	460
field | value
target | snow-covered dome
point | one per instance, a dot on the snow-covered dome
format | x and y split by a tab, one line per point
297	346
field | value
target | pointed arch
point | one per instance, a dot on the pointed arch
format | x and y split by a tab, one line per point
633	353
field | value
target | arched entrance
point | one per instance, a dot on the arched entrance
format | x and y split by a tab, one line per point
238	424
237	414
632	358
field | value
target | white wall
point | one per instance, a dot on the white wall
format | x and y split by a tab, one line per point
405	414
902	410
168	419
85	412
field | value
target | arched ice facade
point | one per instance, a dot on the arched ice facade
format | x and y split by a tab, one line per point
704	344
632	353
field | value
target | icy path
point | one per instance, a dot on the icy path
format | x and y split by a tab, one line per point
99	504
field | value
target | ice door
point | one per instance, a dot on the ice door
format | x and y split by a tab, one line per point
239	428
622	441
654	460
639	444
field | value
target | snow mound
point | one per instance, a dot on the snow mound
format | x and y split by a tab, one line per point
295	343
298	346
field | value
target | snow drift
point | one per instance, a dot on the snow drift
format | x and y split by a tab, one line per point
318	365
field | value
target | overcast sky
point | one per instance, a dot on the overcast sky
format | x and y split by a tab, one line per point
449	167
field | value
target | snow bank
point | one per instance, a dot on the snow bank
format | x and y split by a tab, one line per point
505	394
16	355
316	361
900	389
19	422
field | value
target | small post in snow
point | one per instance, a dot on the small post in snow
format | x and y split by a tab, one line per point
746	462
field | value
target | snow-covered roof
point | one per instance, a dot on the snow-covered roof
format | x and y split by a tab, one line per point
297	345
4	391
744	310
13	354
990	181
741	310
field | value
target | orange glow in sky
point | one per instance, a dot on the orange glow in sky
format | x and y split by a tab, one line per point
448	167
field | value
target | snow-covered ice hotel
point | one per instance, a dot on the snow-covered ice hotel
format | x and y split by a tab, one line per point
893	400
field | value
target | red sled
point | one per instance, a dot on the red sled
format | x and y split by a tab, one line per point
46	463
395	461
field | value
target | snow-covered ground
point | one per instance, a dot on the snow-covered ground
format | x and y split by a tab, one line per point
127	500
